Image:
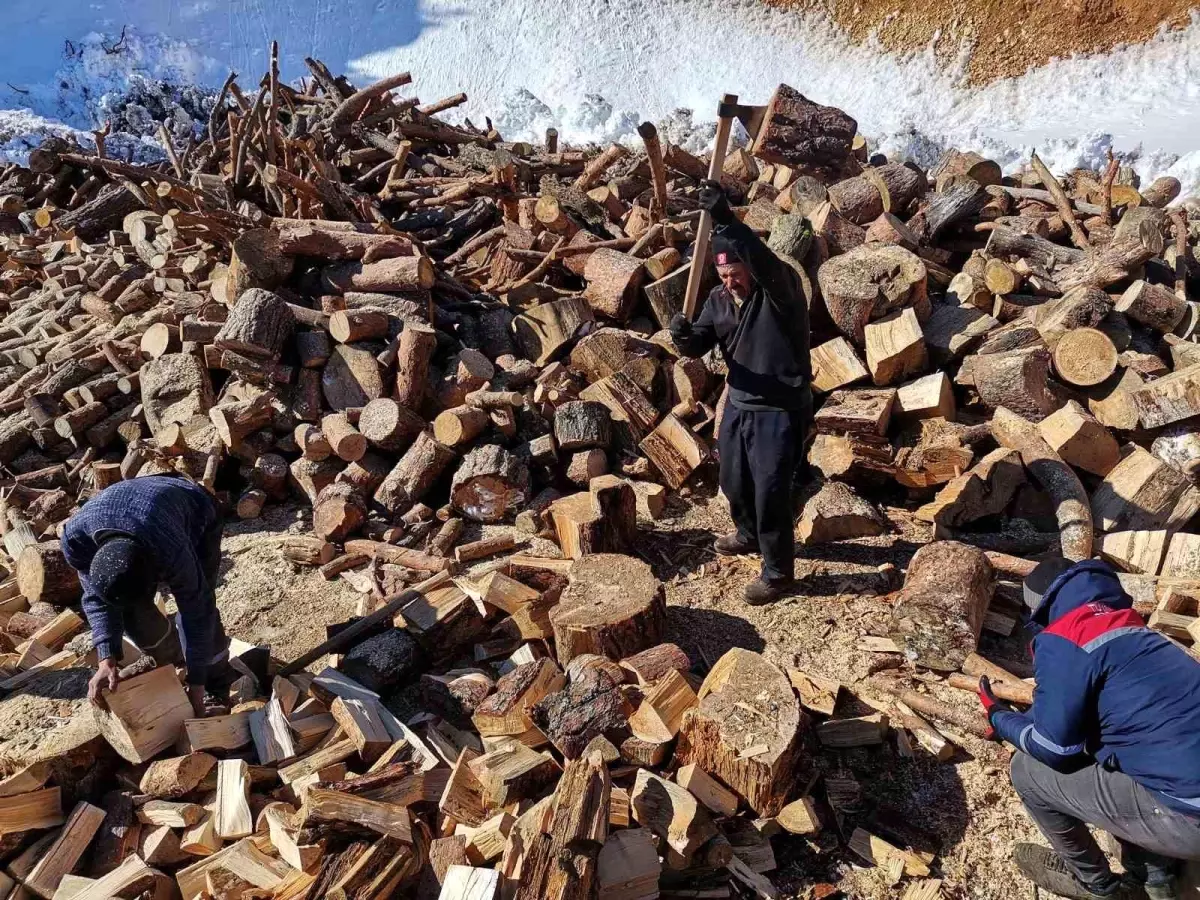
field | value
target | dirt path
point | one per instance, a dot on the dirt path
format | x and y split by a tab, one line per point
1006	38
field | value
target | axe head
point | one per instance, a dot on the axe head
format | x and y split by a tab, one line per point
751	117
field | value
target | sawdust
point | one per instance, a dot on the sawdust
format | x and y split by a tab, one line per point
1006	38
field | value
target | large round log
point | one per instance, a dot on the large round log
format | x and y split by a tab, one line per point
796	131
351	378
491	485
864	198
871	281
1084	357
339	511
388	425
612	606
614	279
939	613
45	576
748	730
259	324
414	474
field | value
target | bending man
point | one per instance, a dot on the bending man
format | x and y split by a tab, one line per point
123	543
759	318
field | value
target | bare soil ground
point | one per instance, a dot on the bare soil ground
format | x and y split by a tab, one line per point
1007	37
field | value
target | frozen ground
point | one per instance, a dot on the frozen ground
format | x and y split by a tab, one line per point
532	64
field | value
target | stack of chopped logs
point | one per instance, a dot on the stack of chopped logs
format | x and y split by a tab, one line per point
418	327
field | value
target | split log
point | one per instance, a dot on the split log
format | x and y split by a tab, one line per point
591	705
869	282
836	513
144	715
543	331
895	347
858	411
1081	441
612	605
675	450
938	615
748	730
930	397
1172	398
672	813
1143	493
836	365
491	485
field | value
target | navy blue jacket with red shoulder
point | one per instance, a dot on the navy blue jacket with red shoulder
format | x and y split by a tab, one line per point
1110	690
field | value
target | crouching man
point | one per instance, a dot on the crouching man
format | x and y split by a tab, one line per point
1112	740
123	543
758	316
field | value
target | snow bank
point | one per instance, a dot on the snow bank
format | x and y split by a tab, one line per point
592	68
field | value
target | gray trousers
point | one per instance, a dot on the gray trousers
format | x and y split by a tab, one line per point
1153	837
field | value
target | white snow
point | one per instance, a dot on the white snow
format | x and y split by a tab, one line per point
592	68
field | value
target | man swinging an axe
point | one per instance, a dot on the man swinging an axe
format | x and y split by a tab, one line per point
759	319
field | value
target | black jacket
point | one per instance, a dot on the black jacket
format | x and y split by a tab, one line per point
765	341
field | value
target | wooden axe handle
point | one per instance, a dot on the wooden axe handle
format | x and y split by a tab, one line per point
704	230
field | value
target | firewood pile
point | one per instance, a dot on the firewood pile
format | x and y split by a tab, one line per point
419	328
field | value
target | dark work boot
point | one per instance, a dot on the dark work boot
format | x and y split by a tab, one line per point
1043	867
1165	890
762	591
733	544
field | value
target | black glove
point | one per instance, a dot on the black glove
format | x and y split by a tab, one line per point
714	202
681	328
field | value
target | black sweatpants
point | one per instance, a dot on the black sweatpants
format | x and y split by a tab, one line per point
162	638
759	451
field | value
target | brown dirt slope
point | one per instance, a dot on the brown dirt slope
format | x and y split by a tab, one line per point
1008	36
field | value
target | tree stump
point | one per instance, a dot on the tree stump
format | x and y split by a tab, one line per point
175	388
613	282
796	131
612	605
748	730
1084	357
869	282
836	513
491	485
45	576
338	512
414	474
388	425
582	425
258	326
939	612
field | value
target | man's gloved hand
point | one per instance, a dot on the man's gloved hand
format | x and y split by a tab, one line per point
681	328
991	704
714	202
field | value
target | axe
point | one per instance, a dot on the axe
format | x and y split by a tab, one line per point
751	118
